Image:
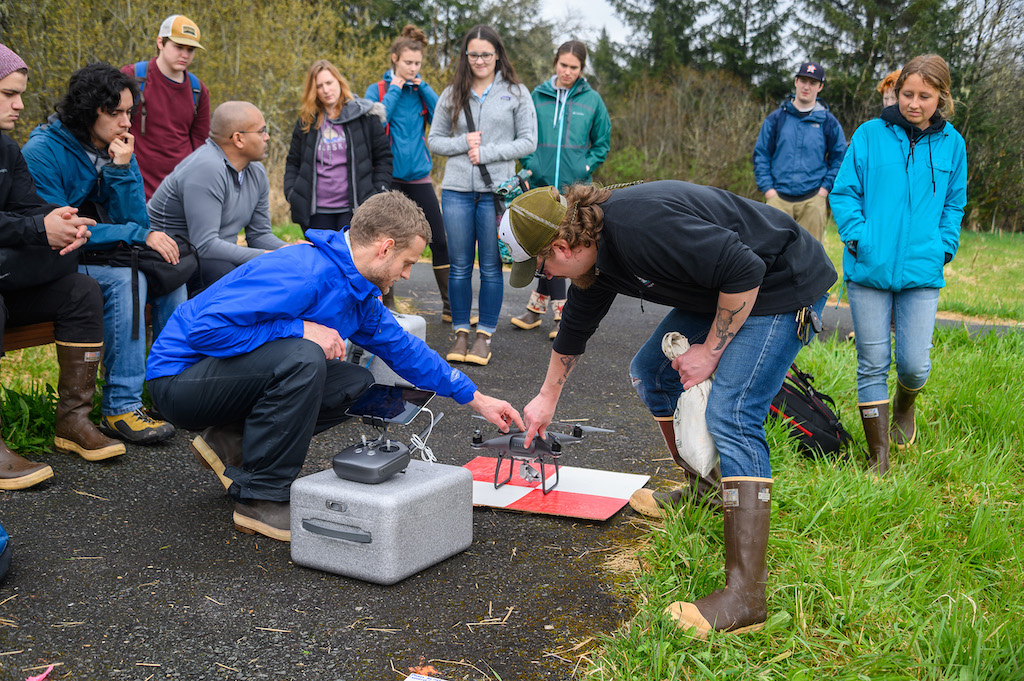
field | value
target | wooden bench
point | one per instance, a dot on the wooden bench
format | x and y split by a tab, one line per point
20	337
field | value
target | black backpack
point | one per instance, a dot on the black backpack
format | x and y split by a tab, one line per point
811	416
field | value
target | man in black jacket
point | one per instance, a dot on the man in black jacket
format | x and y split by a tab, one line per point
39	282
744	282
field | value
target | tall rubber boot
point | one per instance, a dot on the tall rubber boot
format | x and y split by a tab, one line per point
75	387
705	491
904	426
441	276
19	473
742	605
874	416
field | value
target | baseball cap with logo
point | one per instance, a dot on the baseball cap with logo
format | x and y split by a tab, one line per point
180	29
810	69
527	227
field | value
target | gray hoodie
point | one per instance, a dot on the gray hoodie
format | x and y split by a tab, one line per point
508	125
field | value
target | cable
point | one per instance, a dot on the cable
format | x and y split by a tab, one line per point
419	442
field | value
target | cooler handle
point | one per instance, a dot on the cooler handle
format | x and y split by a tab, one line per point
313	526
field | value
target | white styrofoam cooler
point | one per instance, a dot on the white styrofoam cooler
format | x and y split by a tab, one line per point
382	373
385	532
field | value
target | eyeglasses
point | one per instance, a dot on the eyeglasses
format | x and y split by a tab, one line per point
480	56
261	131
539	274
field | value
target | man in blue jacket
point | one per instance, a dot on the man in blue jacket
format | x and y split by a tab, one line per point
799	151
84	157
256	358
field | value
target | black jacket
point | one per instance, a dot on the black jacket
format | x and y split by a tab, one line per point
681	244
369	158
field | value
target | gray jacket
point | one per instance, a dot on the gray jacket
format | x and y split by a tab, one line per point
508	125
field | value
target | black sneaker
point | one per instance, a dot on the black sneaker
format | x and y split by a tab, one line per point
269	518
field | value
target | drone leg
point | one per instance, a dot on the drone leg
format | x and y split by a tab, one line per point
544	478
497	470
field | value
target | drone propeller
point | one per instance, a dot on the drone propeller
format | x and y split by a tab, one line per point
568	424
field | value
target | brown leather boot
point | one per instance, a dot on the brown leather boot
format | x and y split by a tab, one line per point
218	447
535	310
742	605
480	353
75	387
441	276
904	426
459	348
19	473
705	491
874	416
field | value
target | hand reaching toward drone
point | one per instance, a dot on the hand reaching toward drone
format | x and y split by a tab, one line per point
498	412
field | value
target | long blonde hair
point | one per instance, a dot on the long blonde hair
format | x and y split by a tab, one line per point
311	113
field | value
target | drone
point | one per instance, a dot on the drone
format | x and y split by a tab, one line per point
535	459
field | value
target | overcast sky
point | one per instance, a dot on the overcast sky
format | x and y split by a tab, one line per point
592	15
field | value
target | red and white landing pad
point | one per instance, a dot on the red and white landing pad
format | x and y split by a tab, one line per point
581	492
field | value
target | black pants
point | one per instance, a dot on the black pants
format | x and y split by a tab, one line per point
285	391
73	303
424	196
554	287
335	221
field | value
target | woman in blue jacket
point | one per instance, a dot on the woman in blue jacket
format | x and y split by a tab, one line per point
898	201
573	137
409	102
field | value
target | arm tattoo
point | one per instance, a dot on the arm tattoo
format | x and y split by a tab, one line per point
723	320
569	361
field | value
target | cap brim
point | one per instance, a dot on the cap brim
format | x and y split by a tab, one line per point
187	41
522	273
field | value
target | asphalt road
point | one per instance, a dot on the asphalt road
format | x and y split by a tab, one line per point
131	568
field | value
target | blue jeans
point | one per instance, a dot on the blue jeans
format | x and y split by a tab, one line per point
471	223
124	359
913	313
749	375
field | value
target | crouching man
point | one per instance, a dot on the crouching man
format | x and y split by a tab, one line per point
256	359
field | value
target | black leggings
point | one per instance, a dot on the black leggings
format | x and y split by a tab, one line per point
424	196
554	287
73	303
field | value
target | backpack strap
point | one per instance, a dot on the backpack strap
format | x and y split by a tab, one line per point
382	87
197	89
140	76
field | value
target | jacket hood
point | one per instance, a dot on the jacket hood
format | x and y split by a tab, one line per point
358	106
333	245
892	116
547	88
817	113
60	134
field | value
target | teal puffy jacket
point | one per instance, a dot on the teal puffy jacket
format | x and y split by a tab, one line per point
898	206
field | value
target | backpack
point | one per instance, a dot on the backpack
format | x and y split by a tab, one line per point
140	75
5	552
811	416
382	87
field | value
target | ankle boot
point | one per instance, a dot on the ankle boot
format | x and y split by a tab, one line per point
742	605
904	427
480	353
874	416
535	310
218	447
441	276
19	473
706	491
75	387
459	348
556	310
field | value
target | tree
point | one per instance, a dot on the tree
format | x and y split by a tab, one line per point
676	36
744	39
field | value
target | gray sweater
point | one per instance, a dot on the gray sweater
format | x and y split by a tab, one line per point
206	201
507	122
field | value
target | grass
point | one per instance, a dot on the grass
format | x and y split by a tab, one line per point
919	575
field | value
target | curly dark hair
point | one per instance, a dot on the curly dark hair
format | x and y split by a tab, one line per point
92	88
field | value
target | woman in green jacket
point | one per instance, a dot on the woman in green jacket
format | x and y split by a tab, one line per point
573	134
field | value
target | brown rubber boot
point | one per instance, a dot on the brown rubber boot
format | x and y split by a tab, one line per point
441	276
705	491
742	605
459	348
19	473
904	426
480	353
75	387
389	299
874	416
556	310
218	447
535	311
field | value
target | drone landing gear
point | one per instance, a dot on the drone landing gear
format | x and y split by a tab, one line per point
526	470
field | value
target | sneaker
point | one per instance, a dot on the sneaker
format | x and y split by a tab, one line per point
269	518
136	427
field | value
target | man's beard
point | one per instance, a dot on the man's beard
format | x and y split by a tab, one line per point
586	280
380	279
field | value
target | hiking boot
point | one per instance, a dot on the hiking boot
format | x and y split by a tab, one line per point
742	605
19	473
874	417
904	425
459	348
480	353
269	518
136	427
218	447
76	385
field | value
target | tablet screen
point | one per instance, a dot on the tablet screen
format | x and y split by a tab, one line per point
390	403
